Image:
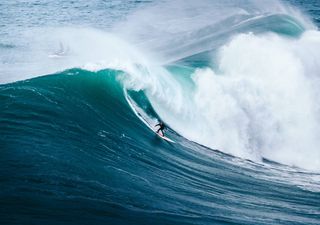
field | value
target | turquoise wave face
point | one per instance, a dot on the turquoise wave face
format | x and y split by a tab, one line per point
73	148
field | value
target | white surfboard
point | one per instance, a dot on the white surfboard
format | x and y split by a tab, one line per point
165	138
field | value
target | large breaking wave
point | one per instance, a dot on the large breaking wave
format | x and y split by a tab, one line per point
238	77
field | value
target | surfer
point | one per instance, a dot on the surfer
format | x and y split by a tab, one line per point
161	128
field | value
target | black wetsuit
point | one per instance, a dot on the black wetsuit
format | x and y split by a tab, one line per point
161	127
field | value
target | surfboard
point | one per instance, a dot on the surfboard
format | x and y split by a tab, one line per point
165	138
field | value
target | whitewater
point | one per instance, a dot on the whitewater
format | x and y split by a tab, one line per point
236	83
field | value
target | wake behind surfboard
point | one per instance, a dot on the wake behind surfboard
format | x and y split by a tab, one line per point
145	119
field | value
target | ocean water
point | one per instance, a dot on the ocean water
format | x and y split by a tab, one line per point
83	83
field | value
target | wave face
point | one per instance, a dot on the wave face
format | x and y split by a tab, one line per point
235	82
73	148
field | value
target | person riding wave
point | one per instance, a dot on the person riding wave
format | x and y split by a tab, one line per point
161	128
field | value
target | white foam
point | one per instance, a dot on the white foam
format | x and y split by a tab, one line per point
181	28
56	49
262	102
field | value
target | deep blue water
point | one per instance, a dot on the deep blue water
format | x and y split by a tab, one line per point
82	81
